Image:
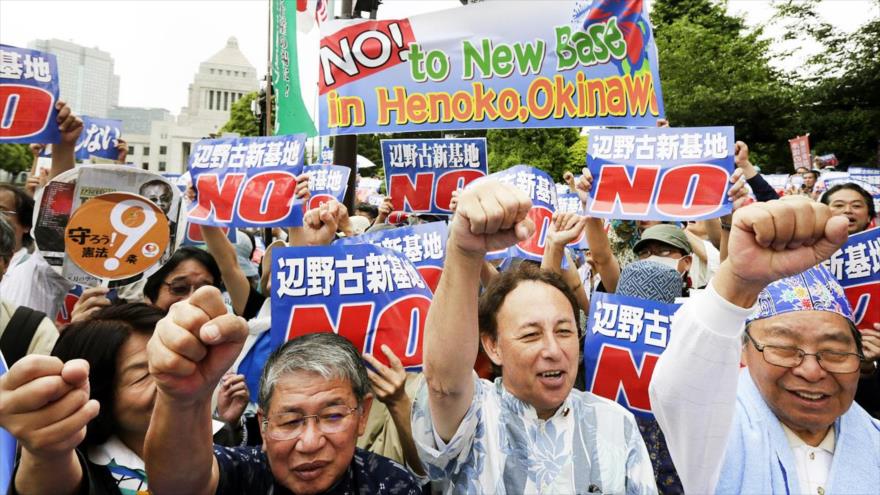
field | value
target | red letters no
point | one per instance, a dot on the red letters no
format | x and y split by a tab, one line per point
449	182
33	108
354	319
616	370
267	197
216	197
417	196
706	184
394	328
614	186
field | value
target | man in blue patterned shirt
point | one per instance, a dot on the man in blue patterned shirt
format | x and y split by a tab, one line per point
529	432
314	401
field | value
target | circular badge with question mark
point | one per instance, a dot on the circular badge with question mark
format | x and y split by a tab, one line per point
117	235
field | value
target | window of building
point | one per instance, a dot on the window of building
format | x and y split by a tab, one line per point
161	166
212	71
145	166
146	151
228	72
163	149
226	100
131	150
211	99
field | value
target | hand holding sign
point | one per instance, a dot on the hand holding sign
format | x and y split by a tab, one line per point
69	124
565	228
320	224
490	216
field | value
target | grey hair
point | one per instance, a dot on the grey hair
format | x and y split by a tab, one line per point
326	354
7	238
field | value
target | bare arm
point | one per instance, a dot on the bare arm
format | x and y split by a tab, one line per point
63	152
227	260
713	231
189	352
489	216
573	279
600	248
696	244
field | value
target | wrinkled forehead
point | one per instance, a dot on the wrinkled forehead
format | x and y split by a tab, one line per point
307	391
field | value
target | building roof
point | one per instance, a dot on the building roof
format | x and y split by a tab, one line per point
230	55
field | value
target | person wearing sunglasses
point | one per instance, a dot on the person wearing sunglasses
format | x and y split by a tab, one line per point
314	399
786	423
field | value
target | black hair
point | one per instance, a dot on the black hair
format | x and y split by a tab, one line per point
24	210
869	201
154	283
369	209
98	340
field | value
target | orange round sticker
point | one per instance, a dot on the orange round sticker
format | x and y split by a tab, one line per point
117	235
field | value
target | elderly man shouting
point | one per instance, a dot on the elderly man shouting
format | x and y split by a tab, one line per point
787	423
314	402
529	431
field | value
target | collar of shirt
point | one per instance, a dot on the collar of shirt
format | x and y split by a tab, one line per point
794	441
511	402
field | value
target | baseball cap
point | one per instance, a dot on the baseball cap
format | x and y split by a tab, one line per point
667	234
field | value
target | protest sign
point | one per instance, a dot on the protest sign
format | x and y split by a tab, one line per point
491	65
800	152
829	160
856	265
367	187
625	337
660	173
59	201
193	235
326	155
28	94
180	180
421	174
117	235
424	245
247	182
99	137
368	294
326	182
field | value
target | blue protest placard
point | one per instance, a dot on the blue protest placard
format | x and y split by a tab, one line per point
856	265
99	138
326	182
366	293
421	174
424	245
625	337
663	173
247	182
28	93
571	203
7	446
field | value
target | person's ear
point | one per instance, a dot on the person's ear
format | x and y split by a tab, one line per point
263	428
490	345
685	263
366	404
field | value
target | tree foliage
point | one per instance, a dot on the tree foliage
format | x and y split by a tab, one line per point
547	149
15	157
241	119
715	73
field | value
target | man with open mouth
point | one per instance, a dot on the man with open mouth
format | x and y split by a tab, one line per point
786	423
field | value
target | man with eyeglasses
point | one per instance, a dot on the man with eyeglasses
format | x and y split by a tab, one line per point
787	422
314	400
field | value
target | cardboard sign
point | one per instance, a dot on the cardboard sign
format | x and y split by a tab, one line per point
421	174
800	152
117	235
247	182
424	245
63	196
490	65
856	265
28	93
368	187
661	173
326	182
368	294
625	337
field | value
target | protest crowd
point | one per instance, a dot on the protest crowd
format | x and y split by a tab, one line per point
663	320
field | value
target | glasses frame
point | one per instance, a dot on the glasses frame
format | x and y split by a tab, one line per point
192	288
803	355
305	420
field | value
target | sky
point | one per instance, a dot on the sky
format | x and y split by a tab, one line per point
157	45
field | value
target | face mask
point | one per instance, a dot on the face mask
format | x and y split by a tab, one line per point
670	262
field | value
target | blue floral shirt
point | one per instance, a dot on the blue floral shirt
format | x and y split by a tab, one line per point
591	445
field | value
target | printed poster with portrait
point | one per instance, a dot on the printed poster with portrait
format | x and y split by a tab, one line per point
152	200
